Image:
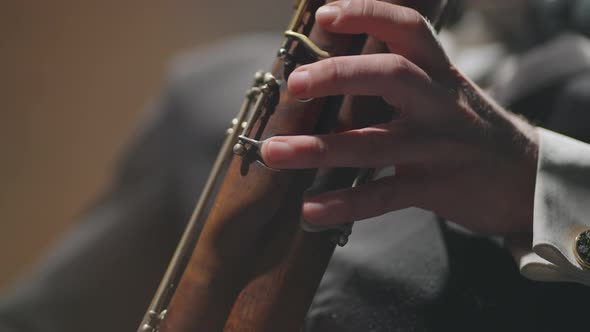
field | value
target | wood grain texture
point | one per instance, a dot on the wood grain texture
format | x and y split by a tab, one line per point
254	269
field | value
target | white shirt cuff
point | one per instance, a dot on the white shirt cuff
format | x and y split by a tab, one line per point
561	212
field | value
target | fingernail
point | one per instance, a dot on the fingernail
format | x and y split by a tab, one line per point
280	151
299	82
328	13
313	211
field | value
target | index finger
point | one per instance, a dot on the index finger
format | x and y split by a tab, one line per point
403	29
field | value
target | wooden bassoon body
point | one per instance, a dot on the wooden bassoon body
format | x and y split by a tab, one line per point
254	268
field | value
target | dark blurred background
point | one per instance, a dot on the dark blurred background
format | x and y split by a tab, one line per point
75	76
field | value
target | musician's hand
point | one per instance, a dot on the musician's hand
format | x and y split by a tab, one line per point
455	151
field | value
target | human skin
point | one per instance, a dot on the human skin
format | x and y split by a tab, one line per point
455	151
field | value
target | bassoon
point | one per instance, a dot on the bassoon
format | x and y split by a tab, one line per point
256	265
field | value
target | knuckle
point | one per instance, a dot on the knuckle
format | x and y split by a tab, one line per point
414	22
412	18
421	25
368	8
400	67
319	148
377	145
353	8
331	69
405	72
360	8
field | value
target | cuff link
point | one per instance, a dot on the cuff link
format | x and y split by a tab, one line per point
582	249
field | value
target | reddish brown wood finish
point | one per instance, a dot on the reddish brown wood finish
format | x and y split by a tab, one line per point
253	268
250	228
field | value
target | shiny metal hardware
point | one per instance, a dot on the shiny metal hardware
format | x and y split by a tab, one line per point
246	144
240	147
582	249
311	47
304	100
292	35
341	231
157	308
266	98
153	322
266	93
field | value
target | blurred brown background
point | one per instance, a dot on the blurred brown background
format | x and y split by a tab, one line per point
74	79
